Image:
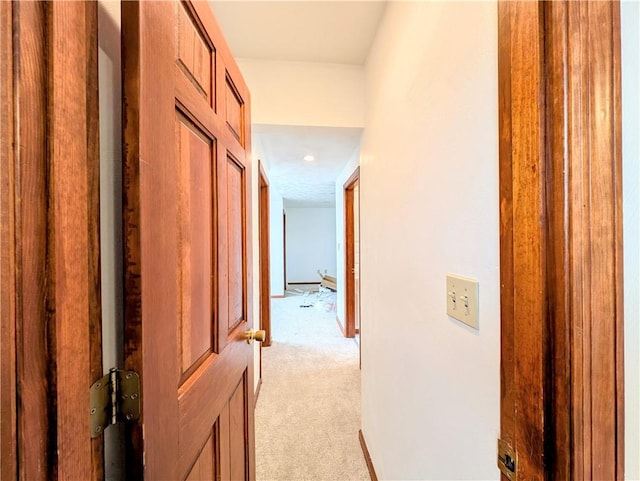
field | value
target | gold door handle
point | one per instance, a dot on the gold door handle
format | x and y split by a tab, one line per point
252	335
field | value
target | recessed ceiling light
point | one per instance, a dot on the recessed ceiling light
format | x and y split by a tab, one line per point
309	158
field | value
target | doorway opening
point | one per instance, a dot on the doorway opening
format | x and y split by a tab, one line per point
352	254
265	259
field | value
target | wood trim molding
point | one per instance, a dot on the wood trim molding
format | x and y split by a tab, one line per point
50	243
353	178
284	248
522	242
314	283
265	259
367	457
349	252
8	399
561	238
73	228
31	222
278	297
585	197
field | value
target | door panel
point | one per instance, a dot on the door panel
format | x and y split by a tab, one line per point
235	110
187	247
235	189
194	152
193	53
205	467
237	431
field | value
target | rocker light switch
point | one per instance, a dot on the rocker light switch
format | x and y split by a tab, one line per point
462	299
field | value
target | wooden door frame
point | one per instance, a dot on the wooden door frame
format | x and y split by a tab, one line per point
50	306
561	238
349	328
265	259
284	248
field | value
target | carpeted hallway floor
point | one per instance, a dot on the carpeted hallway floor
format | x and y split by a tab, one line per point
308	410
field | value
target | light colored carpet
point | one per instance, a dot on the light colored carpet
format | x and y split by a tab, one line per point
308	411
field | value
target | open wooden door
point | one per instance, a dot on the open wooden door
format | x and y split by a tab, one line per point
187	253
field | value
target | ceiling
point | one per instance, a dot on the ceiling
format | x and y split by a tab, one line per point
335	31
306	183
300	31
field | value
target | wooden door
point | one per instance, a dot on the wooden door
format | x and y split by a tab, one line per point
187	253
561	240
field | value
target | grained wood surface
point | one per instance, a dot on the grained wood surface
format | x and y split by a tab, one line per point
51	177
561	238
194	153
8	407
523	304
151	305
92	120
238	442
507	348
236	231
73	254
33	373
204	468
557	259
187	250
593	123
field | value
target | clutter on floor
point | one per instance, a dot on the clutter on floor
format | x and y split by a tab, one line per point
328	282
324	298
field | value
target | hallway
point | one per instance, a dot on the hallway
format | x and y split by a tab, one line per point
308	410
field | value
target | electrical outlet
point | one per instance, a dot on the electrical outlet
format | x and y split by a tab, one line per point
462	299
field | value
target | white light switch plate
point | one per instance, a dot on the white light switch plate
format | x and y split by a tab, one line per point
462	299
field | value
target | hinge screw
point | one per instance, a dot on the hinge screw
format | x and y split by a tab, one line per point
93	410
129	417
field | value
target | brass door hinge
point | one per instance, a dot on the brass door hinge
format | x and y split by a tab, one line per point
113	398
507	458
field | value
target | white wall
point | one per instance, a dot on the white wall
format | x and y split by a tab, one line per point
111	262
311	243
429	206
276	242
340	239
300	93
630	25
